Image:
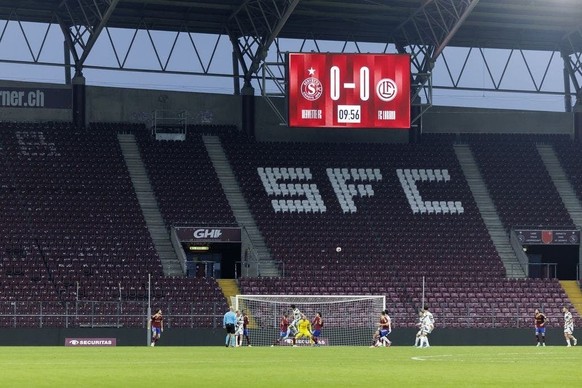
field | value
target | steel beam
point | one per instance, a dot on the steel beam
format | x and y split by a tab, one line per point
253	27
82	22
572	55
426	33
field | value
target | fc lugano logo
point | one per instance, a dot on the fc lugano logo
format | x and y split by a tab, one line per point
311	89
386	89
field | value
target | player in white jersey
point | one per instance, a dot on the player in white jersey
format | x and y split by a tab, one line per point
426	327
238	333
296	318
419	325
569	327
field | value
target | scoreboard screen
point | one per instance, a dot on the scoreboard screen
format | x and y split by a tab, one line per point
349	90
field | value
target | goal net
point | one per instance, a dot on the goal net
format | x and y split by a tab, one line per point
348	319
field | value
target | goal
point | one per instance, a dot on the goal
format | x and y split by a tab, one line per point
348	319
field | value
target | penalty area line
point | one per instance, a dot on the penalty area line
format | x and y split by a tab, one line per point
426	358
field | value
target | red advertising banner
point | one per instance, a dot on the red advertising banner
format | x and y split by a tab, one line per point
349	90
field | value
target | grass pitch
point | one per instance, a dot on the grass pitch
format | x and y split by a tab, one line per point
401	366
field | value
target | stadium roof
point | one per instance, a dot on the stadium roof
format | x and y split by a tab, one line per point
511	24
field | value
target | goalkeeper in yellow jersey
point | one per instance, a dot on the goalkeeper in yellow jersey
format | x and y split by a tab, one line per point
303	329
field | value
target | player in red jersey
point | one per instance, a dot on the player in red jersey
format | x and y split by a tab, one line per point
246	328
283	327
316	324
540	325
157	326
380	337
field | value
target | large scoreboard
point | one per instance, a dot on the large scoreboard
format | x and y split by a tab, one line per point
349	90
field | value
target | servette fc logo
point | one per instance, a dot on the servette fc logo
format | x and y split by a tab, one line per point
311	87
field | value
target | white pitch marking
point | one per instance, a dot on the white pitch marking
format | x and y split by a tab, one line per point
425	358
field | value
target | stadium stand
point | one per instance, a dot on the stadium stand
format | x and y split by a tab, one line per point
76	248
389	238
73	234
570	156
184	181
518	181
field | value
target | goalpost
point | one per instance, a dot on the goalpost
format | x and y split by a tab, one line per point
348	319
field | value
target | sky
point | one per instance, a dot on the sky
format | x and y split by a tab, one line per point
200	52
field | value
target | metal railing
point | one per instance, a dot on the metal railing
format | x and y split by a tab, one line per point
519	253
133	314
116	314
543	270
254	268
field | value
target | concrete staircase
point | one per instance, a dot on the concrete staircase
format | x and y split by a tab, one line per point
229	288
149	205
239	205
574	293
563	185
488	212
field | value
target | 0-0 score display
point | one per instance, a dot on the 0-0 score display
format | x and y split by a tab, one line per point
349	90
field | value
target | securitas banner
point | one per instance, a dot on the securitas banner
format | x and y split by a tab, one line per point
48	98
90	342
305	342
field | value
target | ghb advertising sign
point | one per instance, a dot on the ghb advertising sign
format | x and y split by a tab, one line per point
208	234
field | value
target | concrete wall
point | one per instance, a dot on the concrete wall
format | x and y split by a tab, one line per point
136	105
269	128
440	119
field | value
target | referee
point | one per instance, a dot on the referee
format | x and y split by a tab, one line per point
229	323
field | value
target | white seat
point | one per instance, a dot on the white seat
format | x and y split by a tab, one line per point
284	206
429	208
300	174
444	207
446	175
299	189
415	174
362	191
377	174
430	175
275	204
